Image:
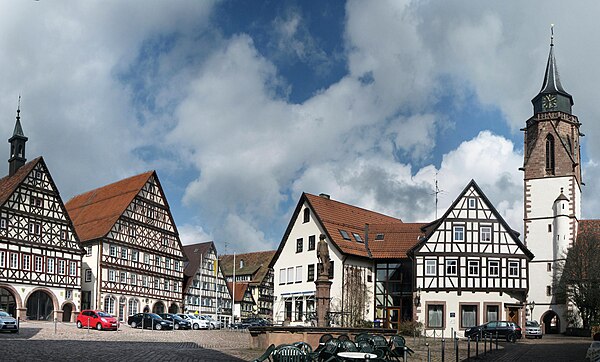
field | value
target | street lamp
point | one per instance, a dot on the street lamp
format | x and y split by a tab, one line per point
531	305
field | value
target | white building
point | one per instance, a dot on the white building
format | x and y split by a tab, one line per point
470	268
40	258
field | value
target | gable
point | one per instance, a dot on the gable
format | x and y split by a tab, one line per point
472	225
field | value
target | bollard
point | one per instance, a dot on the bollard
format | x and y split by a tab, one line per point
491	341
496	340
428	353
88	326
404	355
55	322
456	346
19	325
443	349
484	344
477	346
468	348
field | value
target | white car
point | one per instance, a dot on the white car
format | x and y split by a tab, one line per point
197	323
213	324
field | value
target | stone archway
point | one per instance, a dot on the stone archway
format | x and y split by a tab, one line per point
158	308
9	300
551	322
67	310
40	306
174	308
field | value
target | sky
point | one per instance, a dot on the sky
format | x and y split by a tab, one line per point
240	106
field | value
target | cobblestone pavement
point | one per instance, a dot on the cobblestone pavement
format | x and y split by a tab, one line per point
40	341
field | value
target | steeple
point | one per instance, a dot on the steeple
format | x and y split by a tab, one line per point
17	145
552	96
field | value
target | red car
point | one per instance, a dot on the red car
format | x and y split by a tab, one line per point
96	319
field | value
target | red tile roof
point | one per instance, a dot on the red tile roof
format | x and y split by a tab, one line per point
397	239
255	264
9	184
336	216
95	212
240	290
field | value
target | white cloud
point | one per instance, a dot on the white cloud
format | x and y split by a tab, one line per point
192	234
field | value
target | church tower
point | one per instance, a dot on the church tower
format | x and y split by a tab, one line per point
552	197
17	146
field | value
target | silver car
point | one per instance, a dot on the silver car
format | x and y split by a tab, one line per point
533	329
196	322
8	323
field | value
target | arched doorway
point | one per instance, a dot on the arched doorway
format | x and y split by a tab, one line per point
8	302
39	306
67	310
551	322
174	308
158	308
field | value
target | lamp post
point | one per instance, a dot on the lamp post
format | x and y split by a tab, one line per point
531	305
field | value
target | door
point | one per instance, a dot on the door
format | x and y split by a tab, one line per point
393	318
513	315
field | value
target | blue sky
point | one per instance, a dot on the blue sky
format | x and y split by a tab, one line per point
241	106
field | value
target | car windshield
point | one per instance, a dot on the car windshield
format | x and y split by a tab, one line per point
532	324
102	314
4	314
176	317
155	316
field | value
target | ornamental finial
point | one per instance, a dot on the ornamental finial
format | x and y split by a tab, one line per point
551	35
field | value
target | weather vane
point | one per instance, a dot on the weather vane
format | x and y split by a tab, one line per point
551	34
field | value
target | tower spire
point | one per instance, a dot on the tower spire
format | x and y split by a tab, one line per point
17	145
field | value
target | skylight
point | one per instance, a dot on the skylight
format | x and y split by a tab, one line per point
345	235
357	237
379	237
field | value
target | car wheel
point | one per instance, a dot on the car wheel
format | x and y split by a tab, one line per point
540	337
14	331
99	326
79	325
158	326
133	324
196	326
511	338
176	326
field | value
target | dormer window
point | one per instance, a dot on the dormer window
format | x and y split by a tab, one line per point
357	237
379	237
345	235
241	263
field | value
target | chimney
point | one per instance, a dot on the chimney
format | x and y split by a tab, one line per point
325	196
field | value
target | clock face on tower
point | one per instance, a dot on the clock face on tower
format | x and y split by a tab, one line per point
549	102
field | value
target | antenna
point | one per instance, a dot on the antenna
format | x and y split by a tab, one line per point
436	192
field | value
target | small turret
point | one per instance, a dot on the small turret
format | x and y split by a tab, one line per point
17	145
561	222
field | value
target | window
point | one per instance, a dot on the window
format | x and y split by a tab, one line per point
111	275
35	228
26	262
37	175
459	233
550	154
282	276
435	315
64	234
430	267
379	237
494	268
35	201
123	278
513	268
133	279
124	252
39	264
134	306
331	269
299	245
112	250
357	237
157	261
88	275
109	305
167	263
61	267
2	259
146	258
549	228
468	316
134	255
451	266
177	265
492	312
549	267
548	290
156	283
471	202
473	268
69	294
166	285
50	266
132	232
299	274
485	233
311	242
73	268
345	235
299	307
14	261
290	275
3	223
165	241
144	280
306	217
311	272
88	251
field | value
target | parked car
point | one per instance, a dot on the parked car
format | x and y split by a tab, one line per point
8	323
533	329
505	330
196	322
178	322
149	320
96	319
212	323
256	322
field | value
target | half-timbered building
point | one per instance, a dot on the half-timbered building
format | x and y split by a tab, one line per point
252	268
205	288
40	258
244	303
469	268
134	259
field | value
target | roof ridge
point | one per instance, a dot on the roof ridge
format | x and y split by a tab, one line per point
112	184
